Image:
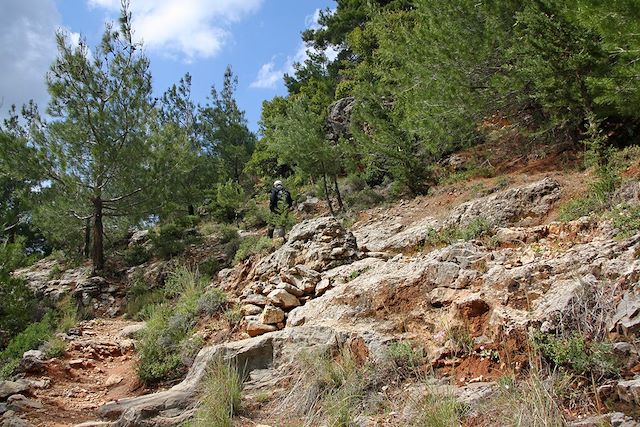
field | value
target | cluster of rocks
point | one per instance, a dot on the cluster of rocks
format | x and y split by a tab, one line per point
266	305
14	400
292	275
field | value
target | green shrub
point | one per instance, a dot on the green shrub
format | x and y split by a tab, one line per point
333	389
18	305
181	280
460	338
626	220
136	255
30	338
212	302
227	202
577	208
251	245
220	396
595	358
364	199
405	356
67	314
476	229
187	221
210	267
55	347
598	198
534	402
227	233
164	341
233	316
167	240
255	216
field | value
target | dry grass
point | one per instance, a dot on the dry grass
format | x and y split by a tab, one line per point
220	396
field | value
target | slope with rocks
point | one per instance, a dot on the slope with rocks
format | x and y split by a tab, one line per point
323	289
392	278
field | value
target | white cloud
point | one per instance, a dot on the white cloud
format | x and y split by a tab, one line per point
27	49
269	74
183	28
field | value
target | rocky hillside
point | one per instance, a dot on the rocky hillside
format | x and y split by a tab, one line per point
466	303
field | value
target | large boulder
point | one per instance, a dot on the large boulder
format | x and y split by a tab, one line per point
508	206
275	351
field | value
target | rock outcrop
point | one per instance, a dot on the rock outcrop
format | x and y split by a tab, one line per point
508	206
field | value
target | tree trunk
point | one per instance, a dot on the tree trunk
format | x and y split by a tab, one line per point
338	195
326	194
98	230
191	209
86	250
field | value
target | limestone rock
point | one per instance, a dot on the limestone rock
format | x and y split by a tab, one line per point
130	331
258	328
256	299
8	388
32	361
338	118
282	298
293	290
138	238
174	406
508	206
626	319
250	309
271	315
629	391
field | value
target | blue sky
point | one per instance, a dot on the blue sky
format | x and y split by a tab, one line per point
260	39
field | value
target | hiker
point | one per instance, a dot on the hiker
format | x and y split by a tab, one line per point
278	197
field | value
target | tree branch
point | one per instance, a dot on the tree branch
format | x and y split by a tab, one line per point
117	199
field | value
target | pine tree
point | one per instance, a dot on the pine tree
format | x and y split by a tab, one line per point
224	129
96	147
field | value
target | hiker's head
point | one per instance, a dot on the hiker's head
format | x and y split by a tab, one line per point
277	184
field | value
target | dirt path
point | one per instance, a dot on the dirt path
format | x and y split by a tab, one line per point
98	366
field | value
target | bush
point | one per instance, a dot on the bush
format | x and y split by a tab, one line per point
364	199
578	355
255	216
30	338
460	338
251	245
18	307
227	202
233	316
334	389
167	240
626	220
164	347
220	396
476	229
438	410
212	302
140	297
55	347
136	255
210	267
531	402
404	356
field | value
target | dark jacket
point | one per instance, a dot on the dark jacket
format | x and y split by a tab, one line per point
277	194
